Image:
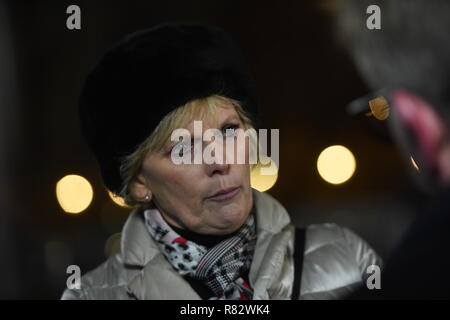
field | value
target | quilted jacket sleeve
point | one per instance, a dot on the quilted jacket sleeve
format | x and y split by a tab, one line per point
363	253
335	262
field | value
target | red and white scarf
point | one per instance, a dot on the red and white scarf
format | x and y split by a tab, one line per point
219	267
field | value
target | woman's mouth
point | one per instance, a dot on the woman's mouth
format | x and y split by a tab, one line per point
225	194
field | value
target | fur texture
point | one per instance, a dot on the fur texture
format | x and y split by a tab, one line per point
148	74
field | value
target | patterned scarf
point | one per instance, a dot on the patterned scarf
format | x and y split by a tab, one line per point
219	267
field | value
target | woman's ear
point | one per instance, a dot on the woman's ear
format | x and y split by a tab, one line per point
139	189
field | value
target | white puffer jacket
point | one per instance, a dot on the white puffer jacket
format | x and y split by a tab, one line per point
335	262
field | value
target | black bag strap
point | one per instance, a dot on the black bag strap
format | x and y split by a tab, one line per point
299	248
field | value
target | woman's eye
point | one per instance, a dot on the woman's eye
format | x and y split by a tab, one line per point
230	130
180	149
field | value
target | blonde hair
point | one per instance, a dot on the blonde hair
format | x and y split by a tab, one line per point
131	164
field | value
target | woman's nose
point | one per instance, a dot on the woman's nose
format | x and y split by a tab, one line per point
217	168
218	164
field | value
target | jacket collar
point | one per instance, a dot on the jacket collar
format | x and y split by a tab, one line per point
139	248
271	216
137	245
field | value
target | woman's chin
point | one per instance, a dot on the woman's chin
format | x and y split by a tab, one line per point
230	220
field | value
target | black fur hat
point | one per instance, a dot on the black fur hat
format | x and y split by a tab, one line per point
150	73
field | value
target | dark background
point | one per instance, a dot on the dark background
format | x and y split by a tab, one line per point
304	80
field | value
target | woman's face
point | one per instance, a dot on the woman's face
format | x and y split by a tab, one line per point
184	193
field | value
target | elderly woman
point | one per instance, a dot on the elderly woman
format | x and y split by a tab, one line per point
198	231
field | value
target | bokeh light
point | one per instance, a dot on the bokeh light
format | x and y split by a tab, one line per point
74	193
263	182
118	200
112	245
413	162
336	164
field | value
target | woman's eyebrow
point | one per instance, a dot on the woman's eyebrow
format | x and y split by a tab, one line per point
228	120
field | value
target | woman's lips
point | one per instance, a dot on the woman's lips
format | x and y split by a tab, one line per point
225	196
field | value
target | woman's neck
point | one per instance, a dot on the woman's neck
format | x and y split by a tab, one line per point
206	240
